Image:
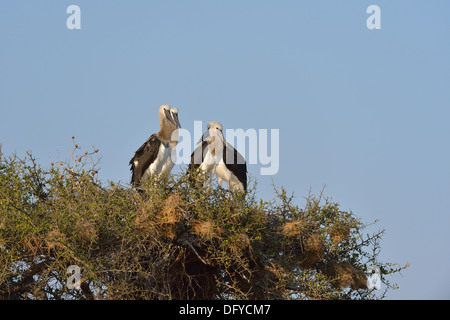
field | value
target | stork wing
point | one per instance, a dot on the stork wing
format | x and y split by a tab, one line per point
235	162
144	157
198	155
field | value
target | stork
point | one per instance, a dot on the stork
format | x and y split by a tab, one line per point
208	154
216	156
149	159
168	165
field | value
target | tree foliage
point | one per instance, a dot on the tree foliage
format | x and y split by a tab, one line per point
173	239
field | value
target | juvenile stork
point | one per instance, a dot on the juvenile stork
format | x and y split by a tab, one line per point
168	165
149	159
208	154
217	156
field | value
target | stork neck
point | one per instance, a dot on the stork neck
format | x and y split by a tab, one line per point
165	132
174	136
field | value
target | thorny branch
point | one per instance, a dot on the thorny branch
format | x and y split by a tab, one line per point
172	241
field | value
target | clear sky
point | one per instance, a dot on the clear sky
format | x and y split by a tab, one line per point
364	112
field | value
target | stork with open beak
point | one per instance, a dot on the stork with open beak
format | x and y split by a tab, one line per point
150	158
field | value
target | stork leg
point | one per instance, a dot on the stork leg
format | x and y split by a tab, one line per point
208	182
220	184
210	177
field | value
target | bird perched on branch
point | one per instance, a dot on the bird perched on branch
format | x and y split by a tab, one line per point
168	165
215	155
149	159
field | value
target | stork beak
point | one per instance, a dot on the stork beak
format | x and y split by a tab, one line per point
175	119
211	135
169	117
205	137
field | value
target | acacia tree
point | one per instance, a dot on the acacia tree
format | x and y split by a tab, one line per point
173	239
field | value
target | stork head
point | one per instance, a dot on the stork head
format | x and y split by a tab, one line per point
215	129
215	126
174	114
164	114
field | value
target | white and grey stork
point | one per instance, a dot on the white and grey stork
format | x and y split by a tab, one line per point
216	156
150	158
168	165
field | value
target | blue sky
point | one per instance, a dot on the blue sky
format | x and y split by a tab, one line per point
364	112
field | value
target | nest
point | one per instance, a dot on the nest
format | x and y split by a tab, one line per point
206	229
86	231
339	233
161	218
344	275
172	210
32	243
293	229
313	250
55	240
